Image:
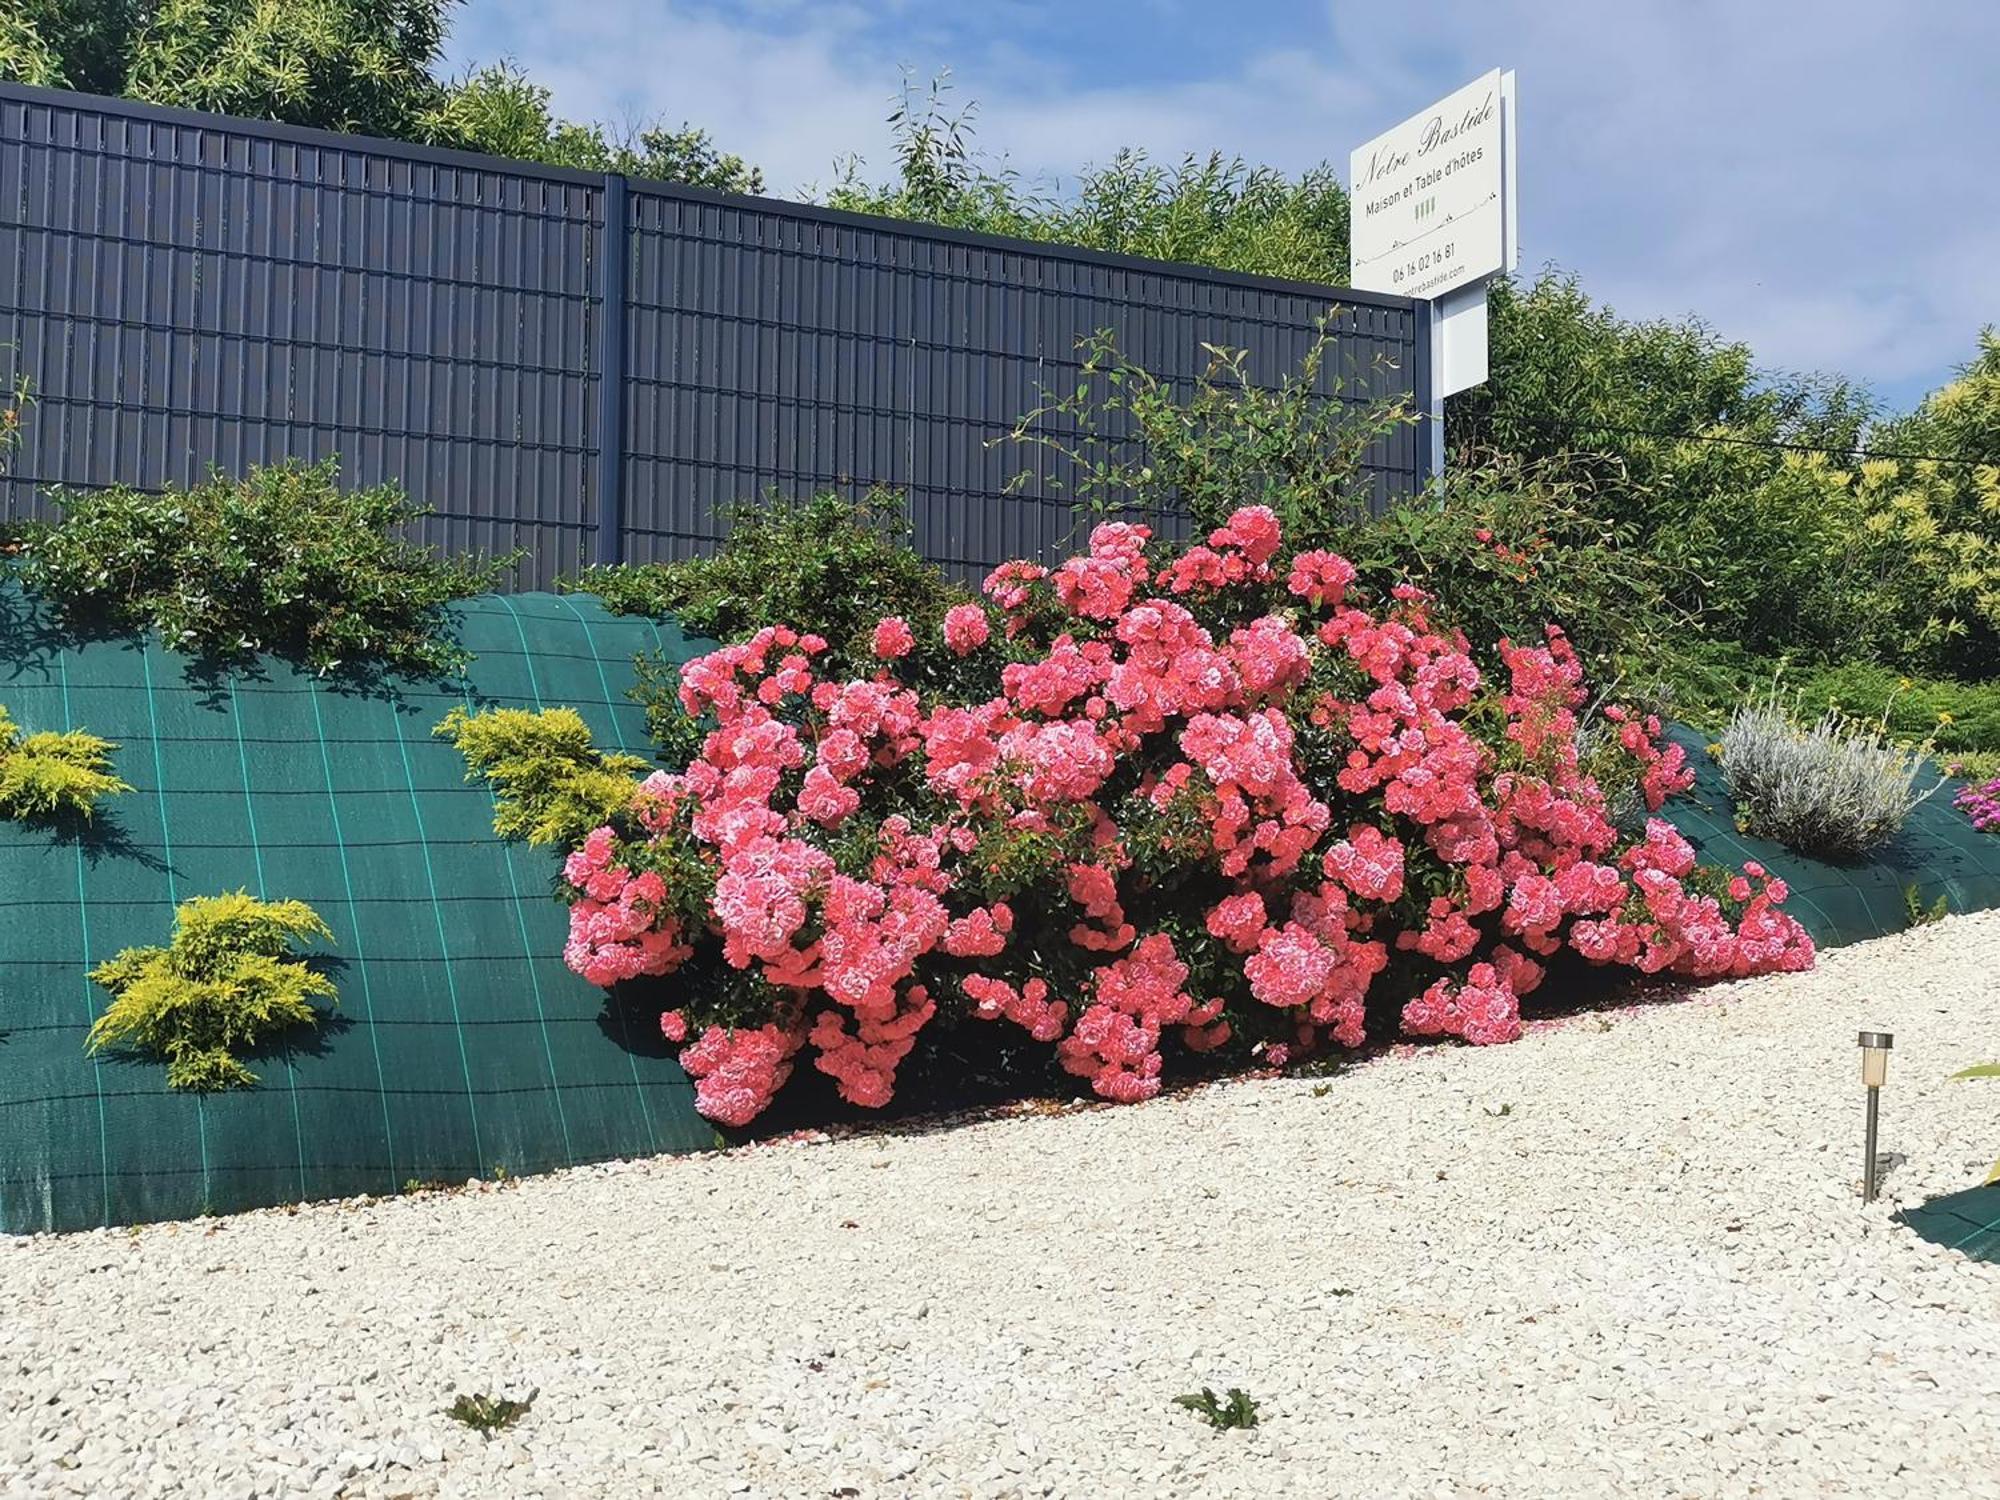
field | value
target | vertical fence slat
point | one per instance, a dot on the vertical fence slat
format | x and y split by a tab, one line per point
613	264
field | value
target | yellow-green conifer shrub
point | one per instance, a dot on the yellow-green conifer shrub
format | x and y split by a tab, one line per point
227	983
550	784
50	775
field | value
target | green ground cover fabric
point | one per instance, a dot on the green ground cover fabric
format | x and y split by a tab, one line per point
1938	852
461	1046
1967	1221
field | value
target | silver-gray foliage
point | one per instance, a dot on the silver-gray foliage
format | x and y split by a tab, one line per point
1835	788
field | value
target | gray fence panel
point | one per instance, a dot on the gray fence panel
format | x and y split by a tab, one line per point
783	348
184	295
187	290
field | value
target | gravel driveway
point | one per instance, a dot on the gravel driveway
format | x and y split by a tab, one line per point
1622	1256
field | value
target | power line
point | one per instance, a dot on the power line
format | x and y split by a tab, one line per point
1851	454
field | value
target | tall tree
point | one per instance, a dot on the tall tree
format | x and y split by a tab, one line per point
359	65
1213	210
72	44
367	66
499	109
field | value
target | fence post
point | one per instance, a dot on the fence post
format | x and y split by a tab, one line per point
1429	408
612	268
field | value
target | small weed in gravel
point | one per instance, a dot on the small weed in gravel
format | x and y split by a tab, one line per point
486	1414
1238	1411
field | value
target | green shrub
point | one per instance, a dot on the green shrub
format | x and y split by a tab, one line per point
227	983
1509	547
282	560
832	565
1936	523
500	110
550	784
1139	446
1836	788
1957	716
1919	915
1506	547
53	775
1975	766
656	687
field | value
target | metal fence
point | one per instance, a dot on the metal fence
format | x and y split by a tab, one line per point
583	366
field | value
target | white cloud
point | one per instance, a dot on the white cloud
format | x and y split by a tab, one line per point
1810	177
790	90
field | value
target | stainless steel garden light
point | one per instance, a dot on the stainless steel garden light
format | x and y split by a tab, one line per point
1875	1047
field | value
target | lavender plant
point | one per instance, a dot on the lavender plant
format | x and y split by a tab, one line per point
1835	788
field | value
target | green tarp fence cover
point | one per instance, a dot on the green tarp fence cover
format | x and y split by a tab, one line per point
461	1045
1938	854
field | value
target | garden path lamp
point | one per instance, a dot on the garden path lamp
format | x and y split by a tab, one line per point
1875	1047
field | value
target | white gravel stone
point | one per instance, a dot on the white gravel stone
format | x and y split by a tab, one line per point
1650	1276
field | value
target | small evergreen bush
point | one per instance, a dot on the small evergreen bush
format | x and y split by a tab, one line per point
1836	788
282	560
226	983
832	565
53	775
550	784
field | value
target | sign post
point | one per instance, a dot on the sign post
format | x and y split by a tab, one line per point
1434	216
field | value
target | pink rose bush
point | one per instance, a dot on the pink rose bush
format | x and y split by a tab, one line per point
1142	806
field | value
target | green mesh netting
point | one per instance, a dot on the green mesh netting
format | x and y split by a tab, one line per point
1938	853
461	1045
1967	1221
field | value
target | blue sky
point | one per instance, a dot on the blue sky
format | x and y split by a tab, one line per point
1815	177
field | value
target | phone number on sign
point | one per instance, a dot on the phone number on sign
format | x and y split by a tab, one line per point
1430	260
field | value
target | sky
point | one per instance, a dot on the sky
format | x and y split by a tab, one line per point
1817	178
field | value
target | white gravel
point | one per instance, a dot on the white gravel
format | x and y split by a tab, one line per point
1650	1276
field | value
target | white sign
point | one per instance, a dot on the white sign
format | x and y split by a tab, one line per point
1458	340
1431	205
